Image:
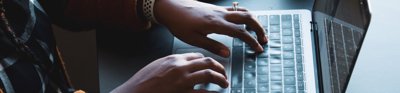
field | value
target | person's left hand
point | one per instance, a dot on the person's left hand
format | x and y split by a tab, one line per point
177	73
191	21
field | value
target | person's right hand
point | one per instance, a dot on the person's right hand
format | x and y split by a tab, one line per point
177	73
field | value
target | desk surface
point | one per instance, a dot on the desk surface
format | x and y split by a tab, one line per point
119	60
377	68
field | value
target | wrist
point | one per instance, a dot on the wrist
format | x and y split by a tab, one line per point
148	10
163	9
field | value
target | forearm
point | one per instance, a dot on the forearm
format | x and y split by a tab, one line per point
115	13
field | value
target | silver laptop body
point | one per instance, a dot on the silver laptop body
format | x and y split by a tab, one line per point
306	52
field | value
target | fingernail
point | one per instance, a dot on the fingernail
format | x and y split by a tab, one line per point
226	83
266	39
224	53
259	49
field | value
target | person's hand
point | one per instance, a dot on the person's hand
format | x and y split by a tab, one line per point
191	21
177	73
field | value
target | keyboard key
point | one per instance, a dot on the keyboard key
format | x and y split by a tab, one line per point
276	76
275	51
275	36
287	32
274	19
275	29
262	70
298	49
287	17
249	80
296	21
249	83
287	47
287	39
299	59
250	66
237	42
297	33
263	19
250	55
274	44
290	89
288	55
263	54
262	61
288	63
236	90
263	87
288	71
249	75
275	60
300	76
286	21
276	67
276	85
297	41
249	51
300	85
289	80
286	24
262	78
249	90
300	67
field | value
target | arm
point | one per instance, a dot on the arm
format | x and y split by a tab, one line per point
115	13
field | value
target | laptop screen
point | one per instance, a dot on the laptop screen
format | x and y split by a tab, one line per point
341	27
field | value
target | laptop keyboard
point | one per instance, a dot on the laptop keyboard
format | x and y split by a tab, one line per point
279	68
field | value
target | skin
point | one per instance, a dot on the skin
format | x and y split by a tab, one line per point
175	74
197	20
190	21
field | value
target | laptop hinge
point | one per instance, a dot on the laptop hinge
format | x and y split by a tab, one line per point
314	26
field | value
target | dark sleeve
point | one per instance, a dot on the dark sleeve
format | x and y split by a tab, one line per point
55	9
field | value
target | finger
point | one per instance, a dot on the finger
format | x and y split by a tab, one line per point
192	56
207	76
206	63
238	31
208	44
238	9
240	17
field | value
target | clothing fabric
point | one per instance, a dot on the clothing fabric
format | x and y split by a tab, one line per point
32	25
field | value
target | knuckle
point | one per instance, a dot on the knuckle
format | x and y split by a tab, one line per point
173	57
177	70
212	20
210	61
247	15
208	72
209	75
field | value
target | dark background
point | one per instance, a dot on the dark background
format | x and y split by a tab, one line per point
78	50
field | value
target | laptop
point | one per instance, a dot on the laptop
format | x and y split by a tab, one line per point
308	51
